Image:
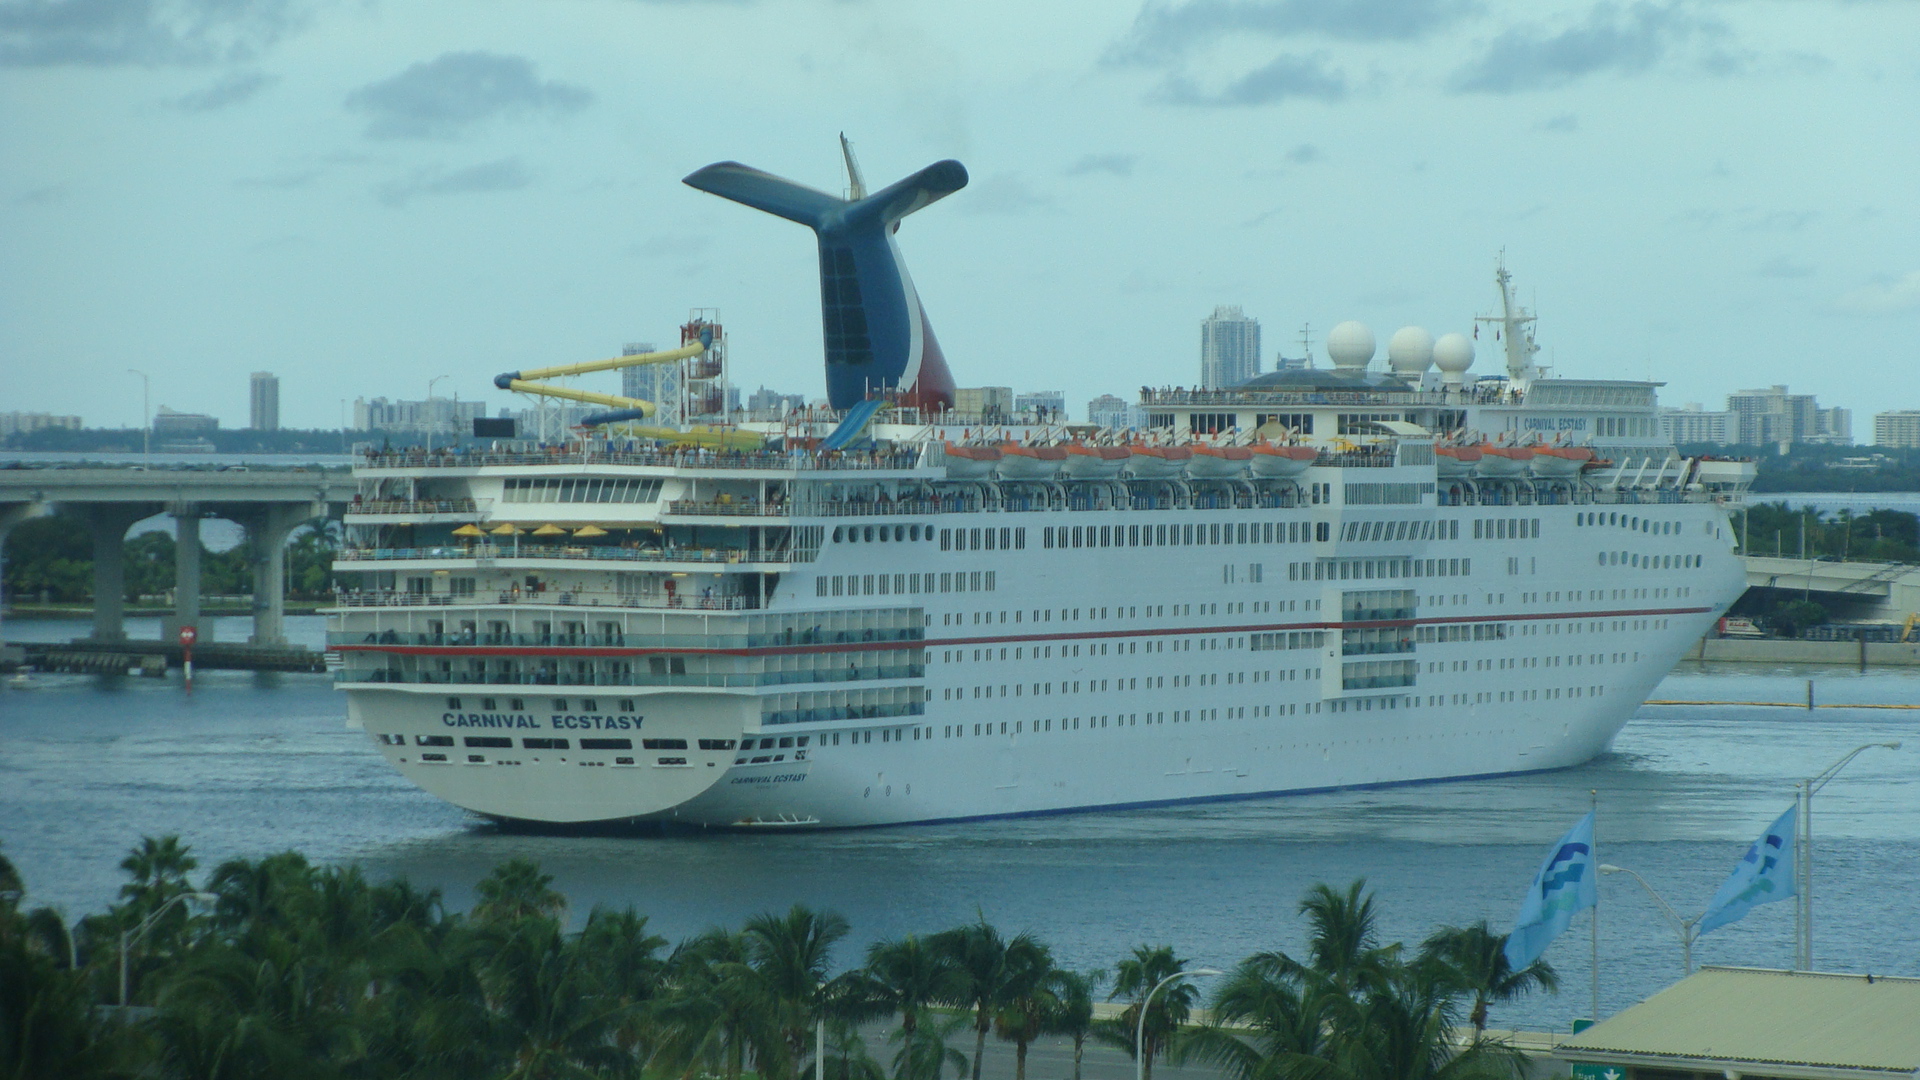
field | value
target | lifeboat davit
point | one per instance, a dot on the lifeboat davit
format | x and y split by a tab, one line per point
1095	462
1504	461
1270	462
1019	461
1559	461
1157	462
1456	462
971	462
1219	462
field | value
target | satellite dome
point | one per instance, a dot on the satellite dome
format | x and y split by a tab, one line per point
1453	355
1350	344
1410	350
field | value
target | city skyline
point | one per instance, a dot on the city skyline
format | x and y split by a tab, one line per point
374	195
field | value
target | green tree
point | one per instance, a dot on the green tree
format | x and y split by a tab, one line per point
1071	1011
1133	979
1476	959
990	967
1032	996
907	976
790	954
517	890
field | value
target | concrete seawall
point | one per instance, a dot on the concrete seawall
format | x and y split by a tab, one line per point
1787	651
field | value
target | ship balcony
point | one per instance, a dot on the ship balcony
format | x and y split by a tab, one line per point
377	511
555	676
527	554
906	635
1376	648
590	598
1376	614
763	461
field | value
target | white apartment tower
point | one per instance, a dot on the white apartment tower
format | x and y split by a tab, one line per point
1229	349
263	402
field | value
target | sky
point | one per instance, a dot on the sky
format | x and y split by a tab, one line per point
363	195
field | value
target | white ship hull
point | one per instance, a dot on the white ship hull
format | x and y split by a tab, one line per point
1202	715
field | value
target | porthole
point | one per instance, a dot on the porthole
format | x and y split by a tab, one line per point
836	534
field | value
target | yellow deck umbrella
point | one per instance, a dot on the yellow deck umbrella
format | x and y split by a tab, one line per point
549	530
469	530
589	530
504	529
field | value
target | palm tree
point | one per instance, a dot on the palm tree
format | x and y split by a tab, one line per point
517	890
988	967
1476	958
1343	945
924	1053
1033	988
1071	1013
1134	978
713	1013
790	954
1268	1010
908	976
548	1003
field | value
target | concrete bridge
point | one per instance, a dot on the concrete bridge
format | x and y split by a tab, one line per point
1870	590
267	502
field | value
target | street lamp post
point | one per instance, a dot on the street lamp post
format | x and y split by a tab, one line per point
128	937
1683	927
146	417
426	409
1803	881
1140	1028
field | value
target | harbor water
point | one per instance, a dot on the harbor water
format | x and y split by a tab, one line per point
248	764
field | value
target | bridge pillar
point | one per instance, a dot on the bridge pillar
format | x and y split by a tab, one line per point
268	527
109	523
10	515
186	572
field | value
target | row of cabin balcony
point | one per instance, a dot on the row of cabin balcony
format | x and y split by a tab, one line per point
904	458
543	672
689	629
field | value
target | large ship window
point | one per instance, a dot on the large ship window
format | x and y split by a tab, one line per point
544	744
494	742
433	740
606	744
663	744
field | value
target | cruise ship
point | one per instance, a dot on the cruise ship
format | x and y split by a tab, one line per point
886	611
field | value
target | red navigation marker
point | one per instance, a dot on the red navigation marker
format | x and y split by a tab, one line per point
187	636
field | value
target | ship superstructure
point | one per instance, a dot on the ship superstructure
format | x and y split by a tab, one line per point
1320	579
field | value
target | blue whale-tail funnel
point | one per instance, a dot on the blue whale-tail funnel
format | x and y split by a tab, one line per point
877	334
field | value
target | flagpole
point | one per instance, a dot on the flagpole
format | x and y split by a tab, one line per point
1595	943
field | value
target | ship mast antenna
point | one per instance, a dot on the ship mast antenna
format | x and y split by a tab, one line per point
1515	324
856	184
1306	342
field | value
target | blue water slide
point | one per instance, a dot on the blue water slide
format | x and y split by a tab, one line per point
856	422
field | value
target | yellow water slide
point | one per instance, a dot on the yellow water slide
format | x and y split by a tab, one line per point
623	410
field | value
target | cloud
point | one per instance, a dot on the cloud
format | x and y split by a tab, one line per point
1563	123
1613	38
1286	77
1006	194
1305	154
1115	164
146	33
1783	266
446	96
663	245
1162	33
506	174
1888	296
282	181
41	196
232	89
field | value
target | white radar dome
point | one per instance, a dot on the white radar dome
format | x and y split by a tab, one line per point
1410	350
1350	344
1453	355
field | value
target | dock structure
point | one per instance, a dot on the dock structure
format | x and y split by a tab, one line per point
1865	590
268	503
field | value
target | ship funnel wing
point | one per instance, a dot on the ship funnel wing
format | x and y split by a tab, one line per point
856	184
877	335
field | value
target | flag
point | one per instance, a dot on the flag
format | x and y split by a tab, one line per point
1764	875
1564	886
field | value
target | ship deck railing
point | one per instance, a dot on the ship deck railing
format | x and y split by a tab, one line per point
908	637
1175	397
418	506
492	552
784	461
712	680
554	597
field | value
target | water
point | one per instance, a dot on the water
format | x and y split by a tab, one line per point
256	763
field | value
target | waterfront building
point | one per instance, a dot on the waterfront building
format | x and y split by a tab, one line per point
1692	424
1045	405
1111	411
1899	429
984	401
169	422
25	423
263	402
1772	415
1229	348
445	417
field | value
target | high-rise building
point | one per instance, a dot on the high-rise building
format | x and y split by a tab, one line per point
445	417
263	402
25	423
1834	427
1693	425
1899	429
169	422
986	402
1110	411
1043	405
1229	349
1773	416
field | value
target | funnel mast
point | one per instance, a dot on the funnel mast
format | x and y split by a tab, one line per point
1515	327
